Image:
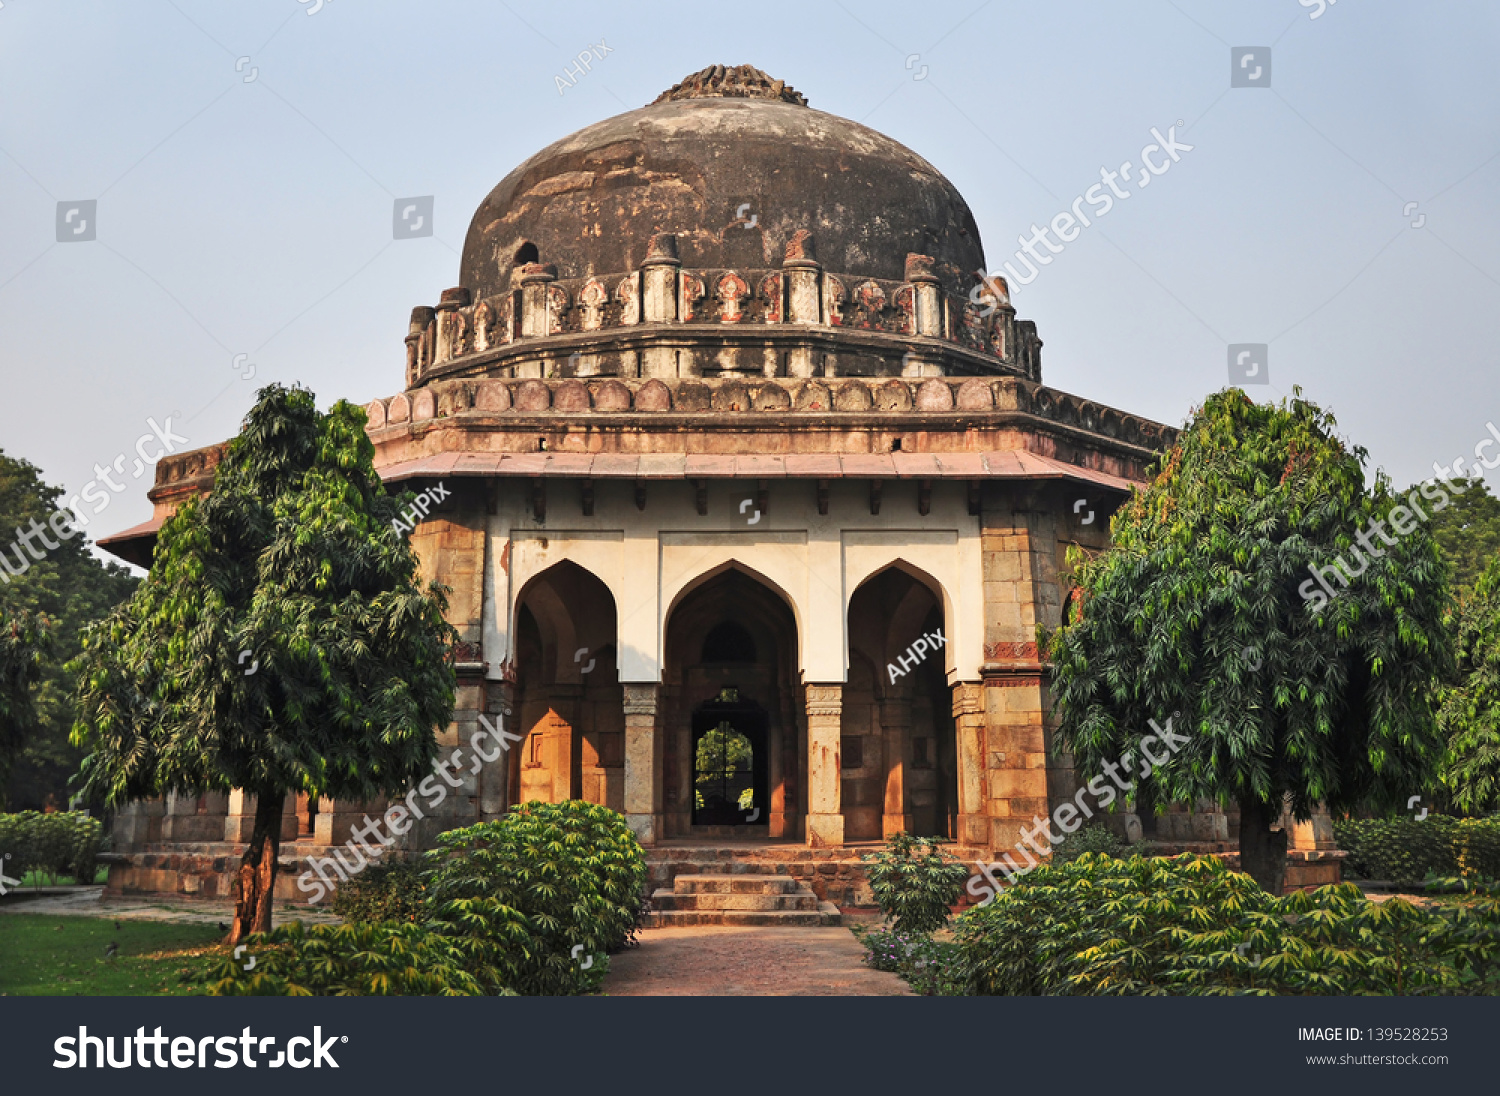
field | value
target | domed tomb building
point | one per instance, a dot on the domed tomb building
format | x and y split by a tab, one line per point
749	507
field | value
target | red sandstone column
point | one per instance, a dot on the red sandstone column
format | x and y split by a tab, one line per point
895	723
969	727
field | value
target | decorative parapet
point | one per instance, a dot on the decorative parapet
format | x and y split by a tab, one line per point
506	334
916	397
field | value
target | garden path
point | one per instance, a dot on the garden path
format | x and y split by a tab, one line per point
731	961
90	902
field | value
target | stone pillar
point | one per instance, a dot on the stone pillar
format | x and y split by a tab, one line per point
494	786
416	330
1316	834
239	819
928	318
138	823
803	278
337	817
825	819
181	812
971	739
643	762
804	298
659	277
535	278
659	285
448	324
895	723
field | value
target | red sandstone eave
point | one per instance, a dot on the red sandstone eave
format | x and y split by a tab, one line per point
136	544
1003	464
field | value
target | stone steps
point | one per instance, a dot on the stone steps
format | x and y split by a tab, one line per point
744	898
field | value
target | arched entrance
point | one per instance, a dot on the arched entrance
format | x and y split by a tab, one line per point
729	711
898	738
731	763
568	699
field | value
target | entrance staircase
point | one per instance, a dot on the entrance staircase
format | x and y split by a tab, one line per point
764	897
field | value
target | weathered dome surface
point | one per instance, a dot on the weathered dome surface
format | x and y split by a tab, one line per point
734	164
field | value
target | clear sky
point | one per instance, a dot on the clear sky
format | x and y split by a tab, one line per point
245	158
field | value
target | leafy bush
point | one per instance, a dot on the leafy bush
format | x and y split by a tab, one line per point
916	883
367	960
1096	839
1190	926
1406	851
54	845
393	891
546	892
929	966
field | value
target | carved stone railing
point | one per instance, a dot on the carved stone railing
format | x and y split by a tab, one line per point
921	397
508	334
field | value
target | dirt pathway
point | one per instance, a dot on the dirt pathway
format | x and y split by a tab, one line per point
720	961
90	902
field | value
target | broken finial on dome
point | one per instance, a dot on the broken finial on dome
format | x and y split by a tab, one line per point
733	82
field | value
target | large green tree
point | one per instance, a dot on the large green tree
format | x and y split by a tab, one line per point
1470	713
1468	532
25	642
48	593
281	643
1221	605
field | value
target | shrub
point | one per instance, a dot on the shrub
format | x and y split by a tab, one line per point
54	845
929	966
916	883
562	884
393	891
1405	851
364	960
1190	926
1096	839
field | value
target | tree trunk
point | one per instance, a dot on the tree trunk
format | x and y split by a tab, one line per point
255	887
1262	851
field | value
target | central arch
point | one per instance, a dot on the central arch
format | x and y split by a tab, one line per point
730	711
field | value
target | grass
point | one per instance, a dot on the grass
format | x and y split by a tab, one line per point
48	956
41	879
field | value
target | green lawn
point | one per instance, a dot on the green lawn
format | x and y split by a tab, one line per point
65	956
37	879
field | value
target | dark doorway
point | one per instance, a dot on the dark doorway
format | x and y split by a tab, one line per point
731	771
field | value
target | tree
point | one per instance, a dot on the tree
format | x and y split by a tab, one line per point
1468	532
57	594
1470	714
281	642
25	639
1220	606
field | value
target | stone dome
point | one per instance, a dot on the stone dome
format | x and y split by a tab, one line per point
734	164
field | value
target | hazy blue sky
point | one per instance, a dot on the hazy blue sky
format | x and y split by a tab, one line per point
254	216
